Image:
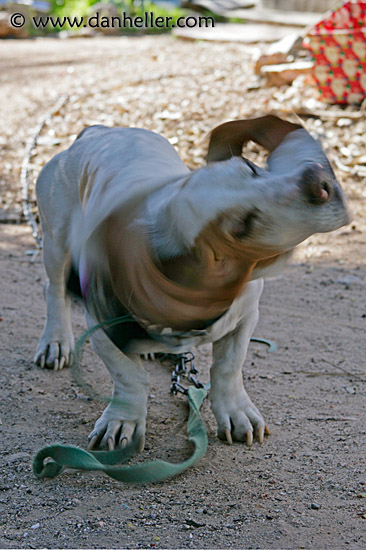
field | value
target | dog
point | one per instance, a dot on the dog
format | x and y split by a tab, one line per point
182	253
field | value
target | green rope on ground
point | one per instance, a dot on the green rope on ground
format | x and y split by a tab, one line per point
67	456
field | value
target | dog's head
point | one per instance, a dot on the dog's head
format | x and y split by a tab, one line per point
296	196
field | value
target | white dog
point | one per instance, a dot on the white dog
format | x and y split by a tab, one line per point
182	252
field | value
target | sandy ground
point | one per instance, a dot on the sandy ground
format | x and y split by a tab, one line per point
305	487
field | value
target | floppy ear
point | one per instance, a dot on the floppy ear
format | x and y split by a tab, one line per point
227	140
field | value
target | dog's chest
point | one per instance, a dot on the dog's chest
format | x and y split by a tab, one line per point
178	342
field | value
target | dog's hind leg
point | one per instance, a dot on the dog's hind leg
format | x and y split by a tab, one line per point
124	420
55	347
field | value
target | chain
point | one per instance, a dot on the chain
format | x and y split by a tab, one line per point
24	176
183	364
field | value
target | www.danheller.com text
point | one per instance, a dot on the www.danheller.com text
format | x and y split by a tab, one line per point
146	20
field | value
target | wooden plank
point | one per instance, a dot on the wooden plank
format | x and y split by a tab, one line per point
276	17
285	73
235	32
319	6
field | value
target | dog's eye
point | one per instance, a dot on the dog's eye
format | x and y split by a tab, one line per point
251	165
244	227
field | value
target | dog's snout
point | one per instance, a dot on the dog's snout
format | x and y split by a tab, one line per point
315	184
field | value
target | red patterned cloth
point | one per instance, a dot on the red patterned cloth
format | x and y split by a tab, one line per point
338	45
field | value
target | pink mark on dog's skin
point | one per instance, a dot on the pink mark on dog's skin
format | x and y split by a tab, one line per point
85	277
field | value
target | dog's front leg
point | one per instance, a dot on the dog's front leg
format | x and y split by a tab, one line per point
237	418
124	420
56	345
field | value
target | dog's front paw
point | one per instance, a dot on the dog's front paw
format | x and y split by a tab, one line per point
55	351
237	418
111	430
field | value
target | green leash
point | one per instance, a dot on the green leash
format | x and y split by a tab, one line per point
67	456
53	459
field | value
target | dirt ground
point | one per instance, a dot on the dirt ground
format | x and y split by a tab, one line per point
305	487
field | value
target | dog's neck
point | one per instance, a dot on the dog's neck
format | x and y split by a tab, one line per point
185	293
218	262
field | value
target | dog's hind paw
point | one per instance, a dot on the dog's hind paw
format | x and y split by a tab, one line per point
112	431
55	354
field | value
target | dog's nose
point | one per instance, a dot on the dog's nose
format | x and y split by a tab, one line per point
315	184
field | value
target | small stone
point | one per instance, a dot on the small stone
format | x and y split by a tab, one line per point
100	523
315	506
48	141
36	526
343	122
349	280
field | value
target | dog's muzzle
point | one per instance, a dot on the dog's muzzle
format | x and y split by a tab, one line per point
316	184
